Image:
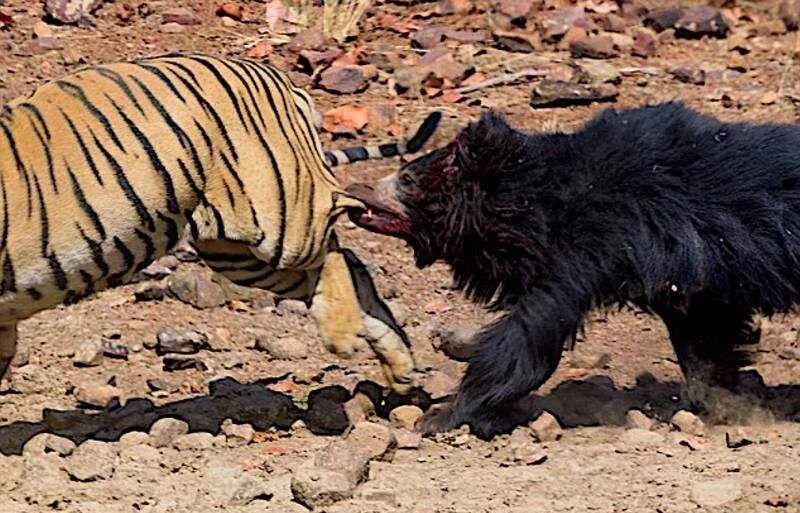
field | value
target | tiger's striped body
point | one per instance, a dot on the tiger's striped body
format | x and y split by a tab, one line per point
101	171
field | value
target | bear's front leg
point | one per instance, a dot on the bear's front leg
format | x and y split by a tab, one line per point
514	356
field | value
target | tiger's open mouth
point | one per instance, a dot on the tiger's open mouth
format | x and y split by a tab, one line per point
384	214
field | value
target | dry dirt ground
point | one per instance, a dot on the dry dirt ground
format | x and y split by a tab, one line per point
623	361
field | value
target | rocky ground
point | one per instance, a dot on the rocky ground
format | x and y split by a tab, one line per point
181	394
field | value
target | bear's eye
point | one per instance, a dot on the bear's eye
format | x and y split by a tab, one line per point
406	180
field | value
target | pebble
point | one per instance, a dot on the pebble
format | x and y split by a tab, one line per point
557	93
170	340
286	348
162	385
132	438
439	384
91	461
598	47
316	487
237	435
344	79
407	439
346	458
149	292
165	430
194	442
196	289
172	28
457	342
376	439
96	395
716	493
635	419
45	443
405	417
232	486
359	408
688	422
89	354
181	16
546	428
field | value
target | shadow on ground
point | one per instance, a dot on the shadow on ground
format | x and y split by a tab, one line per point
591	402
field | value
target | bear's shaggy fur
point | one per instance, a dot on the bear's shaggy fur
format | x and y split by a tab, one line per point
694	220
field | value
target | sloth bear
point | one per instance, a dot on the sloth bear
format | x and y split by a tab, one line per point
691	219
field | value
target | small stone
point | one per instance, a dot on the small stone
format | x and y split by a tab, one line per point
172	341
622	42
635	419
42	29
598	47
525	454
736	438
162	385
407	439
546	428
688	422
194	442
524	41
133	438
556	93
344	79
287	348
789	13
89	354
405	417
644	45
232	486
116	350
91	461
458	342
716	493
45	442
439	384
359	408
308	39
231	10
377	440
316	487
70	11
769	98
149	292
596	72
737	62
172	28
613	23
220	340
165	430
515	9
641	437
237	435
346	458
690	75
196	289
42	45
181	16
428	37
96	395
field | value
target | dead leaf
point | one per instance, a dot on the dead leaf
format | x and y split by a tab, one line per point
451	97
347	119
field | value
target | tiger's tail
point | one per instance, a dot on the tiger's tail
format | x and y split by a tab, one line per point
356	153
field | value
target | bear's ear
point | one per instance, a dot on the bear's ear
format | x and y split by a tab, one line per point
483	143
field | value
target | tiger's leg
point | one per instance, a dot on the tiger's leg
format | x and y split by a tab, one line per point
380	328
8	346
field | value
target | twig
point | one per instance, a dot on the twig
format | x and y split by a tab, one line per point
501	79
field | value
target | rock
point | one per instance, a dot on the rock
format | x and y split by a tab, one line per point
556	23
220	340
688	422
622	42
613	23
309	39
133	438
641	437
716	493
405	417
232	486
231	10
441	63
524	453
344	79
346	458
162	385
196	289
12	470
598	47
116	350
689	22
96	395
407	439
42	45
89	354
635	419
149	292
738	437
172	28
181	16
524	41
546	428
737	62
161	268
316	487
45	442
91	461
42	29
789	13
70	11
515	9
287	348
457	342
375	439
429	36
194	442
359	408
172	341
438	384
237	435
596	72
175	362
556	93
690	75
164	431
644	45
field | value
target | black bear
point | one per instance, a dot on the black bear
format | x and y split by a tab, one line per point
689	218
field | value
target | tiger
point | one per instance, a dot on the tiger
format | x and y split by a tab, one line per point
104	170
